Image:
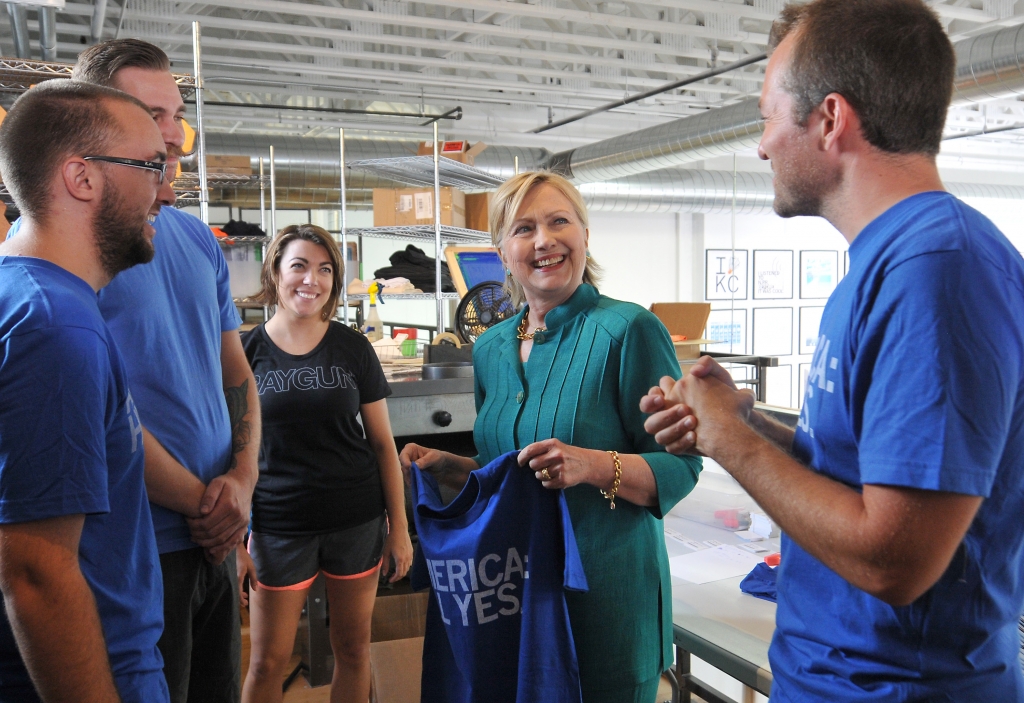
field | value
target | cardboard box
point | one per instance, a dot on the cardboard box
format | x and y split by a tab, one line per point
415	206
399	617
396	667
221	164
457	151
689	320
478	211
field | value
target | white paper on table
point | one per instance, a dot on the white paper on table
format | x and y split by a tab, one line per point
722	562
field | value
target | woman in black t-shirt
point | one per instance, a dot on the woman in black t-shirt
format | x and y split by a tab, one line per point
329	498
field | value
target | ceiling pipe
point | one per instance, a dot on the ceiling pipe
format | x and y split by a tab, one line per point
717	132
19	26
310	164
48	33
711	73
989	66
99	15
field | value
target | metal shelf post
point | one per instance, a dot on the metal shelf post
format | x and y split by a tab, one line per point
273	196
197	62
344	227
437	234
263	200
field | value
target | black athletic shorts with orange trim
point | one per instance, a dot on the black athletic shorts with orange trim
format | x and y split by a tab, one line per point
291	563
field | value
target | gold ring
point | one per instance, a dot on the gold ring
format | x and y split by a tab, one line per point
545	475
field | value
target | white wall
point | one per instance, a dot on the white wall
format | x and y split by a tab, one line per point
639	255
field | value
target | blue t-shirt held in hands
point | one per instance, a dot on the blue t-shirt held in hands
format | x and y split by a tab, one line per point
917	381
71	444
499	558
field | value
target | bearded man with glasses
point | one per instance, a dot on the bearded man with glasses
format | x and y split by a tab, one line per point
79	568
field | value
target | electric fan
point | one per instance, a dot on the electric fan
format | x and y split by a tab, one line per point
484	305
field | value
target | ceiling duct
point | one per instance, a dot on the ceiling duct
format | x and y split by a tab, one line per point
99	15
989	66
48	33
664	191
676	190
991	191
18	15
711	192
307	173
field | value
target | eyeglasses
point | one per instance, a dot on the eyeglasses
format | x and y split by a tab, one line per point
160	168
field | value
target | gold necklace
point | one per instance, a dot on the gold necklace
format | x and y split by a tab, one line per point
522	335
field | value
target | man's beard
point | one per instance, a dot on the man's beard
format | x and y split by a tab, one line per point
803	190
122	242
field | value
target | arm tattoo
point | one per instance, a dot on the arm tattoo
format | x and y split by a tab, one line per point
238	407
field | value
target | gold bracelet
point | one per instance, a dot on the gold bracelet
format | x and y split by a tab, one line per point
610	495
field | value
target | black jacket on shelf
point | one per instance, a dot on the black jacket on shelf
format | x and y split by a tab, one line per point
238	228
414	264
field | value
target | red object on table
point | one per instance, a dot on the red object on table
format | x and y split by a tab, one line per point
773	559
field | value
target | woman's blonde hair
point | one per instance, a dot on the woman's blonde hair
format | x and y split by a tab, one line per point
271	273
505	204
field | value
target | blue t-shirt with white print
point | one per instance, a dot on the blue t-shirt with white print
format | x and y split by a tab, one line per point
71	444
499	558
917	381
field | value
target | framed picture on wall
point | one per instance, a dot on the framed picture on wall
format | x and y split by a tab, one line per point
773	331
725	274
729	328
819	273
773	274
810	320
805	371
779	386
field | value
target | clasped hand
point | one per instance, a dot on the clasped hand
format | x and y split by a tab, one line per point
706	396
224	517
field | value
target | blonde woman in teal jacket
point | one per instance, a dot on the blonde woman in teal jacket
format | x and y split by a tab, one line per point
562	381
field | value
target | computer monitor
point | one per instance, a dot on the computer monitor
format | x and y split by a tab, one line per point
470	266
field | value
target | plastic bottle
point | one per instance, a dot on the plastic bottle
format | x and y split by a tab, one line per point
373	329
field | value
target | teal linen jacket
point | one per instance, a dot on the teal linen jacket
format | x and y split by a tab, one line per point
582	385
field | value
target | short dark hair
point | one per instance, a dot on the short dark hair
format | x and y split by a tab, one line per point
891	59
54	120
99	63
271	273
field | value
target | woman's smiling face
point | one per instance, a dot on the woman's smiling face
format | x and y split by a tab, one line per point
546	247
305	278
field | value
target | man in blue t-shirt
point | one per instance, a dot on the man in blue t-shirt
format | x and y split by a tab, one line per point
177	327
901	491
79	571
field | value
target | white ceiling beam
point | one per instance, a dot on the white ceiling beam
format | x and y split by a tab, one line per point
600	19
387	76
723	8
423	23
210	41
954	12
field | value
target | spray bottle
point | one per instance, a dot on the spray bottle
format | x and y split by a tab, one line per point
374	329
